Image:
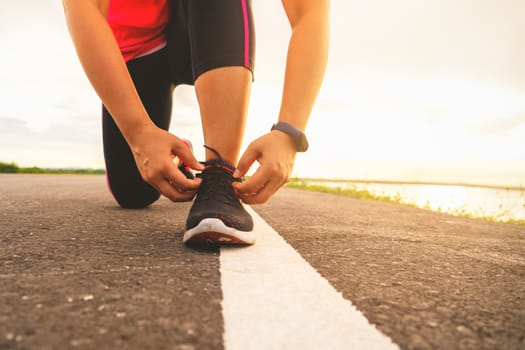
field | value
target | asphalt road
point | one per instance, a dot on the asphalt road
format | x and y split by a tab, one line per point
427	280
79	272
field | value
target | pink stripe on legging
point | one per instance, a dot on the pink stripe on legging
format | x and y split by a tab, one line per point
246	34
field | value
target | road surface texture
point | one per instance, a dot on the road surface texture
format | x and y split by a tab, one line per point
77	272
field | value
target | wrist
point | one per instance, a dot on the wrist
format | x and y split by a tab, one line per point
135	133
284	140
295	134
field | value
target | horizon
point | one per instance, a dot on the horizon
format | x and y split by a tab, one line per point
443	103
521	187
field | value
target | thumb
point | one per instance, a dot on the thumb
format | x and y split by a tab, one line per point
186	155
249	156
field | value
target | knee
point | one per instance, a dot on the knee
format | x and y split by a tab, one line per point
136	196
136	201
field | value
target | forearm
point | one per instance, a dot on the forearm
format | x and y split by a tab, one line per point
305	67
104	66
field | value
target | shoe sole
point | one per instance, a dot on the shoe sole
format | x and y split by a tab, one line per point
214	231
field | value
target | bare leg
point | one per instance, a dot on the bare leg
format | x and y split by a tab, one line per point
223	95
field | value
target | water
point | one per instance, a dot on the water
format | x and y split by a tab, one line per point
498	203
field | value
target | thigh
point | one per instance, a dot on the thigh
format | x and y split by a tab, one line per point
177	36
221	34
153	83
151	76
208	34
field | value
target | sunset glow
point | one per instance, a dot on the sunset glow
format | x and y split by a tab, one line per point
404	97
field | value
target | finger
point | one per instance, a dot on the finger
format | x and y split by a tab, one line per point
181	187
264	194
184	153
179	180
246	161
185	196
255	183
262	185
167	190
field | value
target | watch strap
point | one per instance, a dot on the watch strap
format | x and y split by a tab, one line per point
296	134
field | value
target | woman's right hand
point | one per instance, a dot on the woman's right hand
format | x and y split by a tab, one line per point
154	150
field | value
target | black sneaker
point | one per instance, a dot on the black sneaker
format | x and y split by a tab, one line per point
217	216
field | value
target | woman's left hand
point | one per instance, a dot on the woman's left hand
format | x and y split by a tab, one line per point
275	153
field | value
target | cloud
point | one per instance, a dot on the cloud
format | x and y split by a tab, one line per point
496	126
57	146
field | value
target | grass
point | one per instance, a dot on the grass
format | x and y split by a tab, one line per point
397	199
349	192
13	168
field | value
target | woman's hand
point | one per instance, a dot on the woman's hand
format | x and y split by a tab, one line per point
275	153
154	150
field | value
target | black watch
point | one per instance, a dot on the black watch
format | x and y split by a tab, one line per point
299	138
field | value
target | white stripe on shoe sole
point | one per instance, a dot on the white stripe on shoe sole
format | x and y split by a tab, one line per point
273	299
218	232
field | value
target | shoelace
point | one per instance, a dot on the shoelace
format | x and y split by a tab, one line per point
217	184
217	179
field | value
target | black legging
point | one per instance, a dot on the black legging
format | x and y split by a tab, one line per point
202	35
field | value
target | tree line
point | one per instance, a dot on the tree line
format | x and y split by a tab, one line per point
13	168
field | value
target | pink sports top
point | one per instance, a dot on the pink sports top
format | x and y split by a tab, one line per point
138	25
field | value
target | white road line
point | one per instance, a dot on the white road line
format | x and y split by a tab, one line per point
273	299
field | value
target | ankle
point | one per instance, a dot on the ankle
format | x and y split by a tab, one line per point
226	155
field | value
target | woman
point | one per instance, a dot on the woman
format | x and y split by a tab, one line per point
135	52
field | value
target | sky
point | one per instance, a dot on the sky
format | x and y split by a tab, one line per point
414	90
